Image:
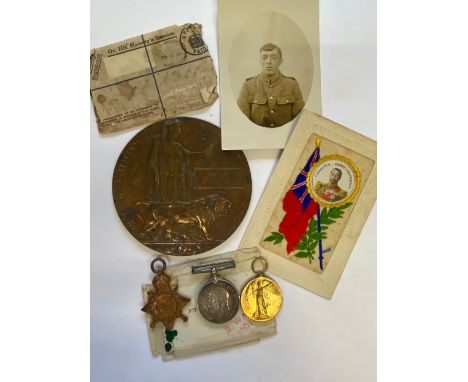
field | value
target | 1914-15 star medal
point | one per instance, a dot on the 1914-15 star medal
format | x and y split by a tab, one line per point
164	304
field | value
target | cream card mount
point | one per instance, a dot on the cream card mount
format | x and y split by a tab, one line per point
196	335
315	204
269	63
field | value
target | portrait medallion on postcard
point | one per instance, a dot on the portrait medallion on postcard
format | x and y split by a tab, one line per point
176	191
315	204
333	181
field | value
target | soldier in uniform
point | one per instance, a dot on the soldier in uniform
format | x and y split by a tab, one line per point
331	192
270	99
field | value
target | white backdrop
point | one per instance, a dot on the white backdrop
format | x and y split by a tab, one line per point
317	340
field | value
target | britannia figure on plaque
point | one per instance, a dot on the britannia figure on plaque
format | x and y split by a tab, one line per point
169	168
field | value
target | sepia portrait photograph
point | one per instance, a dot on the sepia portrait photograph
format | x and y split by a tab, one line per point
269	70
270	99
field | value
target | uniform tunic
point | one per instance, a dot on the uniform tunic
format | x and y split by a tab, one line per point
270	101
330	192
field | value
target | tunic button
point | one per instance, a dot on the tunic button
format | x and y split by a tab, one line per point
272	98
272	111
255	100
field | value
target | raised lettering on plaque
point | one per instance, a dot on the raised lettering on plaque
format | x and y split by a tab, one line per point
178	192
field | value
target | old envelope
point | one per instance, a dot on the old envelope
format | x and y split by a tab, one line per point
315	204
151	77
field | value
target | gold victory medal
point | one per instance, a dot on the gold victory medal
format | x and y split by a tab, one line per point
261	298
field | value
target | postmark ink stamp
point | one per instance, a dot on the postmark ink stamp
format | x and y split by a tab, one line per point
191	40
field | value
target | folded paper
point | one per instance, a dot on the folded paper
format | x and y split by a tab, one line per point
151	77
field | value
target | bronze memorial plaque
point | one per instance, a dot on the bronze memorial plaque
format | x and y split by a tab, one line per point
176	191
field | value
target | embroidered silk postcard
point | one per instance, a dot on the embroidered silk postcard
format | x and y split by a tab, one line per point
269	57
315	204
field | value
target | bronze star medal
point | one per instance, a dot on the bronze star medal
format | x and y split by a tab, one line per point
164	304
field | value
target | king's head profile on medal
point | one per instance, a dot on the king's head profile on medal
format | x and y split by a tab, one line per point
270	99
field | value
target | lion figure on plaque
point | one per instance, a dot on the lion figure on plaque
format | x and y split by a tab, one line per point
181	222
